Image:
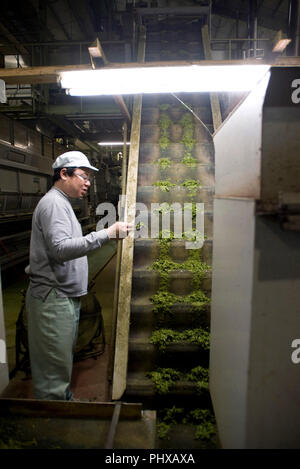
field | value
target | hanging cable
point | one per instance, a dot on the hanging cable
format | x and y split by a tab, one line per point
194	114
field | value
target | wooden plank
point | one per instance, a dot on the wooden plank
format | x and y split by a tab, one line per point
34	75
118	261
124	302
50	74
123	107
98	60
177	63
214	99
287	61
97	56
67	409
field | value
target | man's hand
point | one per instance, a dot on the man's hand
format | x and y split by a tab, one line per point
119	229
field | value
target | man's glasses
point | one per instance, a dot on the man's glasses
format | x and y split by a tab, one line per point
84	177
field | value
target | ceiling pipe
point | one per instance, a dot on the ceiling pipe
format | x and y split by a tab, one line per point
293	27
252	27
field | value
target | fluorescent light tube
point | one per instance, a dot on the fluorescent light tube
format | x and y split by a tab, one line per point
173	79
111	144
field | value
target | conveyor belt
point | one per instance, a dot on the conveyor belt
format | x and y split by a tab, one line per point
176	164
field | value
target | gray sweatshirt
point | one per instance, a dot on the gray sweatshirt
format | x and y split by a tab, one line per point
58	249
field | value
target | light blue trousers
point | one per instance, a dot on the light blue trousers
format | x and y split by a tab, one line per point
52	335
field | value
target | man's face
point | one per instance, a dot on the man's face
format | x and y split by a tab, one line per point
76	186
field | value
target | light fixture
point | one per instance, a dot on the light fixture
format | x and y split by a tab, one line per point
280	42
112	144
164	79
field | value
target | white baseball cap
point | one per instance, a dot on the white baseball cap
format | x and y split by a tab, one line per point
73	159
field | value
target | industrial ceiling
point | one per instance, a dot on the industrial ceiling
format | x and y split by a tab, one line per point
58	32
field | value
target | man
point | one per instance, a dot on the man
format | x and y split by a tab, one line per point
59	276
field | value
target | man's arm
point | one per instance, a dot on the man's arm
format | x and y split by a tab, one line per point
62	245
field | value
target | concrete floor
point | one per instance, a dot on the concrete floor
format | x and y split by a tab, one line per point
90	376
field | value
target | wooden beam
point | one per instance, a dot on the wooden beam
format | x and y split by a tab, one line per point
11	39
50	74
287	61
178	63
123	107
67	409
97	55
118	262
214	99
98	60
35	75
124	301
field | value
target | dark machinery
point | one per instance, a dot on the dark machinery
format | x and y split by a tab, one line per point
254	382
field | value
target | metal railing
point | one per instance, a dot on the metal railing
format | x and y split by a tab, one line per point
250	49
